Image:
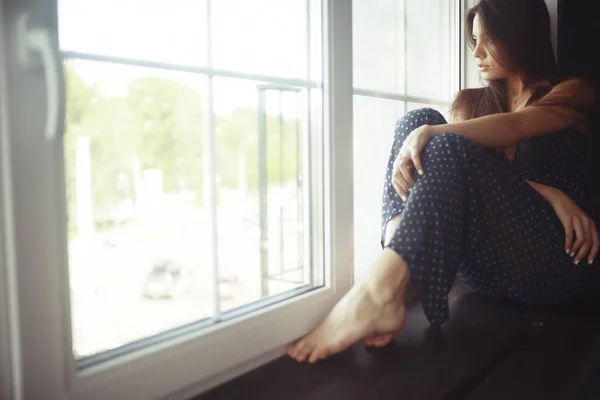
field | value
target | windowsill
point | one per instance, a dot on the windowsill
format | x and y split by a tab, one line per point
476	355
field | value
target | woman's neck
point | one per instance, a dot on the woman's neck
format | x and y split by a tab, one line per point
515	86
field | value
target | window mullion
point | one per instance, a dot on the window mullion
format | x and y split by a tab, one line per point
405	50
210	182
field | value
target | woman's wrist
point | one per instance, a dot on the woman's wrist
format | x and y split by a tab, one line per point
435	130
551	194
554	196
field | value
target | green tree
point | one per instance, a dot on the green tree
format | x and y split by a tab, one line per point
81	99
160	124
170	130
237	136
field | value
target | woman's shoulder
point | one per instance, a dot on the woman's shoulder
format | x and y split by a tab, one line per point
574	84
570	99
574	89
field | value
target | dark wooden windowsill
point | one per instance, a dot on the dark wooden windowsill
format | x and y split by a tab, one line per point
488	350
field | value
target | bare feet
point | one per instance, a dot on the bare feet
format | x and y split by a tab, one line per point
374	307
410	294
384	340
380	340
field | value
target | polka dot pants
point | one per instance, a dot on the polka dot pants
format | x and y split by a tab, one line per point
472	215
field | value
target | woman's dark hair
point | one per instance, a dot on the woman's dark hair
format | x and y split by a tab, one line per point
520	36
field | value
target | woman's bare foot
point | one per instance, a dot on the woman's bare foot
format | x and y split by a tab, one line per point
380	340
384	340
372	307
411	293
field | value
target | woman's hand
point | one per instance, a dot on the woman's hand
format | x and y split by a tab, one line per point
573	218
409	158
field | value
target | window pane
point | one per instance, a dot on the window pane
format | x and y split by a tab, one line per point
261	146
267	37
173	32
431	49
138	226
444	110
378	45
136	161
374	121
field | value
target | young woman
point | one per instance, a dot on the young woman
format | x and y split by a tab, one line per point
497	197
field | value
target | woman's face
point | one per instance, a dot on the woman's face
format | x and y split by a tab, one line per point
489	67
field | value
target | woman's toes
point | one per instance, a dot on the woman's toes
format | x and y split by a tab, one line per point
382	341
291	350
294	350
302	355
315	356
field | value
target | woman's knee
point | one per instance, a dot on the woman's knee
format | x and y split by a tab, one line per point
422	116
450	140
413	120
447	147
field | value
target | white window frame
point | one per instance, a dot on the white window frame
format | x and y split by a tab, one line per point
10	384
458	13
189	363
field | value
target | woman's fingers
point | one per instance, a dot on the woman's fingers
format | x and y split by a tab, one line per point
406	168
579	236
416	158
587	241
402	178
397	187
396	183
585	247
405	165
568	235
595	244
400	185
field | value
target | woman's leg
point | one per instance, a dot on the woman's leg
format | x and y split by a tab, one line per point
373	306
410	294
385	339
392	203
382	291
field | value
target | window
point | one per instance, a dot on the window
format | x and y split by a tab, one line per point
189	202
406	56
187	182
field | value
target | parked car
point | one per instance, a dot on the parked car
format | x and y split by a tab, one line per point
167	279
228	286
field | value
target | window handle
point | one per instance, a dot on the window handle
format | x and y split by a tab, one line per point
39	40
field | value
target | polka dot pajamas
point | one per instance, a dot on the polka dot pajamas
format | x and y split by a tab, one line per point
473	215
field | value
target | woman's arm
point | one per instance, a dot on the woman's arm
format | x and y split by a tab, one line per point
549	193
508	129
